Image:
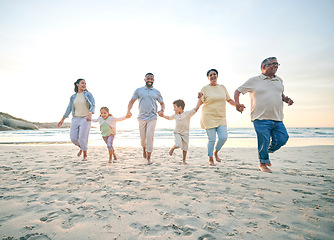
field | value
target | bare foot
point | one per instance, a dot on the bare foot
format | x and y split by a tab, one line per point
264	168
79	153
216	156
149	162
268	164
115	157
211	162
84	156
144	153
171	151
110	160
184	163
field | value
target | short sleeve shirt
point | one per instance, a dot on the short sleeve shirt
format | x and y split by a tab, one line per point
147	102
182	121
214	106
266	97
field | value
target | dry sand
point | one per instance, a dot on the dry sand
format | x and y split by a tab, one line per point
49	193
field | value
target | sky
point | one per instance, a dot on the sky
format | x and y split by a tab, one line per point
46	45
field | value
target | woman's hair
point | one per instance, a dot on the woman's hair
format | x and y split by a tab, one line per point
106	109
207	74
75	84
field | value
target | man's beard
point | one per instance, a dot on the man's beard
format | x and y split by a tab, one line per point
149	84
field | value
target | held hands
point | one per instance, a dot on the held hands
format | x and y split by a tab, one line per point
240	107
128	114
288	100
200	94
161	113
89	117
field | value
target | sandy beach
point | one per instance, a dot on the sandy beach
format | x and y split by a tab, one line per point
47	192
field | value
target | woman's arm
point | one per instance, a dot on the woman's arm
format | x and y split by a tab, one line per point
231	102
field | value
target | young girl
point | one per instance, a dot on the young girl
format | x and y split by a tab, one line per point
108	129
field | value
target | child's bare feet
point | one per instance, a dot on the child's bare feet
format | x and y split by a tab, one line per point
211	162
216	156
79	153
110	160
184	162
264	168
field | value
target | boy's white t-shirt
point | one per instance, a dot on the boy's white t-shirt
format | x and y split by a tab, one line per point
182	121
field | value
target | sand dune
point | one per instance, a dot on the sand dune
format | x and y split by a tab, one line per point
49	193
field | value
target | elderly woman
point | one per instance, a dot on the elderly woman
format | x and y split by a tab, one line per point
213	119
82	106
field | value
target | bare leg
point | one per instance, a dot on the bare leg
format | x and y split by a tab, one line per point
80	151
184	156
171	151
110	156
264	168
114	154
211	162
84	156
216	156
149	158
144	152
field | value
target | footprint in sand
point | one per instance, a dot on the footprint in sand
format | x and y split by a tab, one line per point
49	217
278	225
207	237
35	236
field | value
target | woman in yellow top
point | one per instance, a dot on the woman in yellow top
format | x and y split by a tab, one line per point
213	119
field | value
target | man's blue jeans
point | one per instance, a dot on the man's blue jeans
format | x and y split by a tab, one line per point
271	135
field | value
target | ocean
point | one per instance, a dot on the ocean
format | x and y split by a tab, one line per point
237	137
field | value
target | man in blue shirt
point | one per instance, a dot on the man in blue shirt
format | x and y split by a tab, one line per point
148	109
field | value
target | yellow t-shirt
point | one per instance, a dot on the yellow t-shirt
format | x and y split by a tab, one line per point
81	106
214	106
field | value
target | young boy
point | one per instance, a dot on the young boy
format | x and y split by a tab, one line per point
182	123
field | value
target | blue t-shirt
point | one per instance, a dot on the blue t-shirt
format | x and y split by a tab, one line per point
147	102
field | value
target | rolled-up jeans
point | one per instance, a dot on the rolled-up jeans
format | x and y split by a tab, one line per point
271	136
221	131
79	133
146	131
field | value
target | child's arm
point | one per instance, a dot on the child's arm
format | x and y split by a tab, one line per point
164	116
119	119
95	119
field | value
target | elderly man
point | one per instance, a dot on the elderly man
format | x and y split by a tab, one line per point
266	93
148	96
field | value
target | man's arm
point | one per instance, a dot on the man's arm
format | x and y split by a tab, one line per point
129	114
240	107
161	112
